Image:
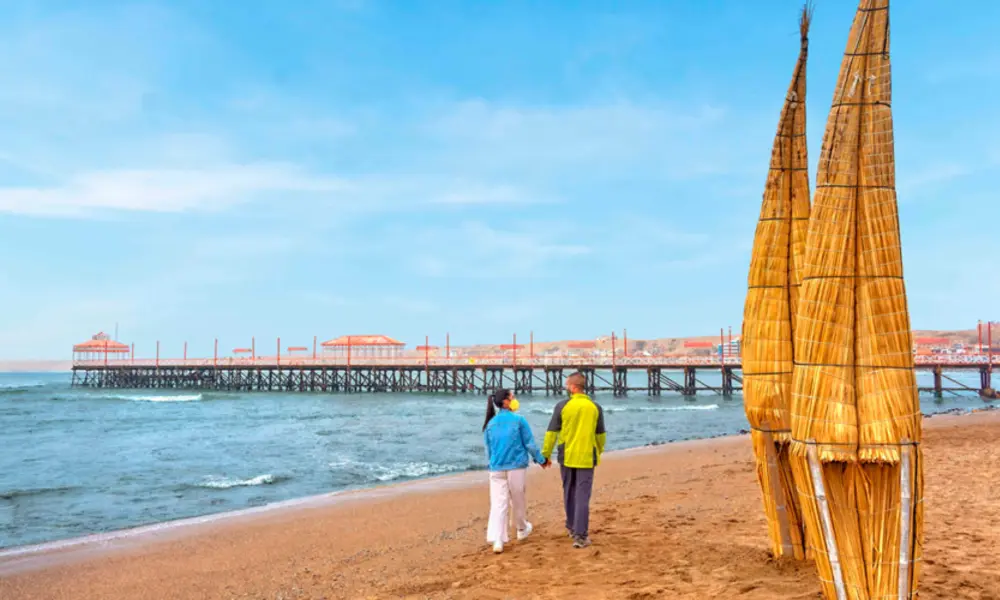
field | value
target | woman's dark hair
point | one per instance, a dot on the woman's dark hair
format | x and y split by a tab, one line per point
494	402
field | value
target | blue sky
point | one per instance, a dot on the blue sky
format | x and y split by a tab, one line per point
197	169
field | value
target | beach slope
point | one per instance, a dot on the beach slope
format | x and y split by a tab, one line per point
674	521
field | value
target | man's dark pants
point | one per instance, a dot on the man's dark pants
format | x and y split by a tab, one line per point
577	485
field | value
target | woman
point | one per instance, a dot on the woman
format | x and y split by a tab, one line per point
510	446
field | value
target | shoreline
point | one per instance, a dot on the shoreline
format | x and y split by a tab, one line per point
18	559
28	557
54	493
688	509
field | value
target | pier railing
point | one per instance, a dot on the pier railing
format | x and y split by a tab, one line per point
478	361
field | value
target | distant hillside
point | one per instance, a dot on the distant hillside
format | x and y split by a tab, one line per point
678	346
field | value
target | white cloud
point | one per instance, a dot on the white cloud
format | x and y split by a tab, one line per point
650	233
590	140
184	189
149	302
127	153
407	191
472	193
162	190
630	243
929	178
477	250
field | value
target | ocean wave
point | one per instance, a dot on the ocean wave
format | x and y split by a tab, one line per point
615	409
164	398
392	471
225	483
19	388
31	492
119	397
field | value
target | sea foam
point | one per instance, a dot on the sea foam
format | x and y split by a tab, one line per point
385	472
224	483
165	398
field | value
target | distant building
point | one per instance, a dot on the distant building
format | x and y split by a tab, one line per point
698	344
931	345
730	348
581	348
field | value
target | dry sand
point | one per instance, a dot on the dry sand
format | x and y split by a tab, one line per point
676	521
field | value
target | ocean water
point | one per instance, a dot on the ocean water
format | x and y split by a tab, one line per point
75	461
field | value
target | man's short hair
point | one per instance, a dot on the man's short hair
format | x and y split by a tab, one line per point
577	379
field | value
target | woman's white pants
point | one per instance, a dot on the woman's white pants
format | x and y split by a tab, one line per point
506	492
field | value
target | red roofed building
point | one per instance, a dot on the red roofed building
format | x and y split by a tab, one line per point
581	348
98	347
364	346
698	344
510	349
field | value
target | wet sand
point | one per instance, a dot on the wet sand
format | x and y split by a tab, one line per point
675	521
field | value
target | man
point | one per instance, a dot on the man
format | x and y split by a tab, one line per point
577	427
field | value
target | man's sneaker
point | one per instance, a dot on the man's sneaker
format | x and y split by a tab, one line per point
570	533
581	541
497	547
522	534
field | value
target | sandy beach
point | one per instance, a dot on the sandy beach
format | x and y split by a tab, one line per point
674	521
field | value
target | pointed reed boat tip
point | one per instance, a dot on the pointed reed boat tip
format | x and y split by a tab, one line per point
805	21
769	315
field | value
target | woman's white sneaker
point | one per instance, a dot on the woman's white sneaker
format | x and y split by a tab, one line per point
497	547
523	534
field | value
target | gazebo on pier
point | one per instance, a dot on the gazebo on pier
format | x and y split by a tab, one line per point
364	346
99	347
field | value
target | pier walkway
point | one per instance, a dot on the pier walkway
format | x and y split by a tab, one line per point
468	375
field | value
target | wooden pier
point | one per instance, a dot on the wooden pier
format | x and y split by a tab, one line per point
660	376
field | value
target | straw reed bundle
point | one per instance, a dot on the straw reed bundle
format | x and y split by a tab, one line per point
855	414
768	315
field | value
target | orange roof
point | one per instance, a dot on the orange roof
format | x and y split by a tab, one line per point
242	350
582	345
297	349
697	344
363	340
100	342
